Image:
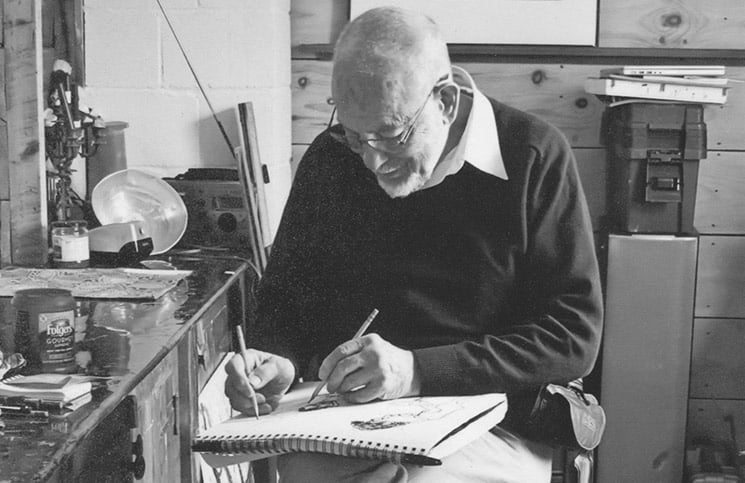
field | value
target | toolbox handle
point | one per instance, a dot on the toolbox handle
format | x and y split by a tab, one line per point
664	183
663	155
665	127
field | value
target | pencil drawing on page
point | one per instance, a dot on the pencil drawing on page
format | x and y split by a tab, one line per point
400	413
407	411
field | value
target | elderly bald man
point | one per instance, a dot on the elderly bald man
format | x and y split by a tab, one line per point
462	220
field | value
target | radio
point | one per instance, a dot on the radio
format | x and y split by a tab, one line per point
218	215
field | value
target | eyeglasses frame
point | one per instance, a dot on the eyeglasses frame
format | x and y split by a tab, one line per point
400	139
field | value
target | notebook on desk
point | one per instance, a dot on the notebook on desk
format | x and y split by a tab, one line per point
419	430
61	388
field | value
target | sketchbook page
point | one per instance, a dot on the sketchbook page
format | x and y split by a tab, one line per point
469	433
413	425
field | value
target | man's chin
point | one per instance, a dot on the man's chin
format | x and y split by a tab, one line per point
401	188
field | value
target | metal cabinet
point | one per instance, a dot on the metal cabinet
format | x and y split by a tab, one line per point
646	357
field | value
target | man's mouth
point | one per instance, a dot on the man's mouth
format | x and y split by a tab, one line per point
387	170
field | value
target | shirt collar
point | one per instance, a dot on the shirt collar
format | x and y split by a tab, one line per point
479	144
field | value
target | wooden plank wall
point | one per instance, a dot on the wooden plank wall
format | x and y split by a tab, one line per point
683	24
61	38
549	82
24	115
553	91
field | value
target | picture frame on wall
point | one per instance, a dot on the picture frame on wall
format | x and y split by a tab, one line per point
534	22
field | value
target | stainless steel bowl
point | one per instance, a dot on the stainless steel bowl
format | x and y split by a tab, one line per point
133	195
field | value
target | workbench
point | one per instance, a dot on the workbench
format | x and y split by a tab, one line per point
140	425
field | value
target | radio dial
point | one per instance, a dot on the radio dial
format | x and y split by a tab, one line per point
227	222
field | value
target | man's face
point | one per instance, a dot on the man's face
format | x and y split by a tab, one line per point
375	133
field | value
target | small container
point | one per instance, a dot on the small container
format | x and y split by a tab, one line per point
109	348
45	329
70	244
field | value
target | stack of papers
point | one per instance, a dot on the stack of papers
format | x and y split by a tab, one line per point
53	388
109	283
700	84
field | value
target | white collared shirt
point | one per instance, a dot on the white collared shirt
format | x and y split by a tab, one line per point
479	144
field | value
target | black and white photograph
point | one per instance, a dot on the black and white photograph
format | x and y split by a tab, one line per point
372	241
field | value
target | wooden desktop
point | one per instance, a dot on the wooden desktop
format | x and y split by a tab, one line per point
140	426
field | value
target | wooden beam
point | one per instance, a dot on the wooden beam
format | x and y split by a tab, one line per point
5	259
24	101
4	163
74	38
4	167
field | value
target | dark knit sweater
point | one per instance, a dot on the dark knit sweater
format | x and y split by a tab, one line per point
493	284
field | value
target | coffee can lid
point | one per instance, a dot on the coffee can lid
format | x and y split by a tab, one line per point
43	298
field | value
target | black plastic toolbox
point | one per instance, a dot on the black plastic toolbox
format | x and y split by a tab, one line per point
653	155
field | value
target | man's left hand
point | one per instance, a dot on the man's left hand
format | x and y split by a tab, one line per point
370	368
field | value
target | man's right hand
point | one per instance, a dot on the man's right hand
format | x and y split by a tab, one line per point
270	375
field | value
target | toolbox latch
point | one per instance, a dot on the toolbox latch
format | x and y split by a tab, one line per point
664	177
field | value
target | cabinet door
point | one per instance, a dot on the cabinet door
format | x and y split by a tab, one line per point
156	401
213	338
201	353
212	408
105	455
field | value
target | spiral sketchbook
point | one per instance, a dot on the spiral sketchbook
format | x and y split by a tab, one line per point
417	430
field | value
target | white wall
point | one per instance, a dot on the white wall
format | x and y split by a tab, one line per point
240	51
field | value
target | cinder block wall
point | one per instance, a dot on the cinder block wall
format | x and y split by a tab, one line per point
240	51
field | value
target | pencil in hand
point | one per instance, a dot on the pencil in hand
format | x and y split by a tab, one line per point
244	354
360	332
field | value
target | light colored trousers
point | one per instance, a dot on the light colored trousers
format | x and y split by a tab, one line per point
497	457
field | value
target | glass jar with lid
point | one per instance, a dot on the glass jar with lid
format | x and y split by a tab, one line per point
70	244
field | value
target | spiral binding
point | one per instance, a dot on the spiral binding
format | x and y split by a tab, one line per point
281	443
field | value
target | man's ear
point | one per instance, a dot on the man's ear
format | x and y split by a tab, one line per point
449	97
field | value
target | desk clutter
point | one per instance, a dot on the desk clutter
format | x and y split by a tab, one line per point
126	283
37	403
45	389
130	351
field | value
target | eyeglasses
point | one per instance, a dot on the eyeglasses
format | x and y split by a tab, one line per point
392	144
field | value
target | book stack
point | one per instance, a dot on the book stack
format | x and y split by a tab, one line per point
700	84
45	391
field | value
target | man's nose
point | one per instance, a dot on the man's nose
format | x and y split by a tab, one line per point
372	158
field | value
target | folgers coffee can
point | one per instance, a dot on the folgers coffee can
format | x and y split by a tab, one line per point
45	328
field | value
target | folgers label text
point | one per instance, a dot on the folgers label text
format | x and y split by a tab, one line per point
57	337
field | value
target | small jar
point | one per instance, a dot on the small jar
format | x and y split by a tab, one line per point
70	245
45	328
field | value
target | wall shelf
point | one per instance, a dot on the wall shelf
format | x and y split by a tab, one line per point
562	54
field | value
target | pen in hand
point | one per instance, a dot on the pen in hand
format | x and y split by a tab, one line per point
360	332
244	353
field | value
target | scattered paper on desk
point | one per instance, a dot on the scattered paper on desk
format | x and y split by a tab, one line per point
113	283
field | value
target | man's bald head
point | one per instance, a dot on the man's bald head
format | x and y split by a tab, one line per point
387	51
